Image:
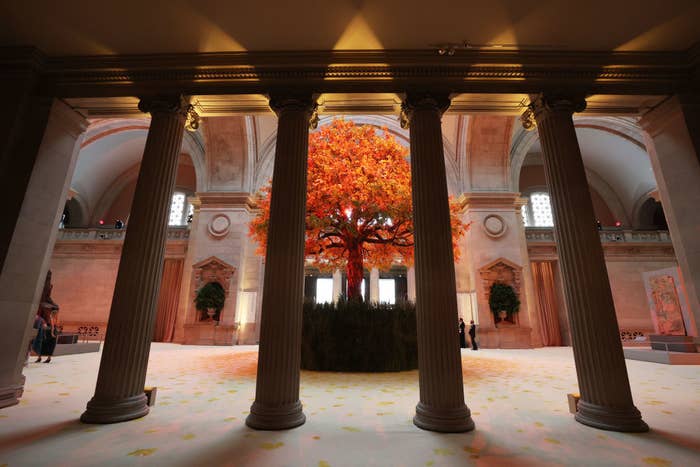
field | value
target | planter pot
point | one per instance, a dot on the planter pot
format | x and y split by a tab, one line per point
210	313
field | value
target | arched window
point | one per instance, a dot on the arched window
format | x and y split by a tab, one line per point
538	211
178	214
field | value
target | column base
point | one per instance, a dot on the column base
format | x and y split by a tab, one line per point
10	395
115	411
264	417
456	420
611	419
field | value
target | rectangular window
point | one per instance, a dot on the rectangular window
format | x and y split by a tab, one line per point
387	291
324	290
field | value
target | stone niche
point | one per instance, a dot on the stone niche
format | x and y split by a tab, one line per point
206	332
504	272
507	334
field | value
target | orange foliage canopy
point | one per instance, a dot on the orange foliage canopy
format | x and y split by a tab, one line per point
358	207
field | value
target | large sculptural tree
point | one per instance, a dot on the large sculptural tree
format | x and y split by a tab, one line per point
358	207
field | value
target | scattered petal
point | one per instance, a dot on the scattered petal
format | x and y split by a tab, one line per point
660	461
271	446
143	452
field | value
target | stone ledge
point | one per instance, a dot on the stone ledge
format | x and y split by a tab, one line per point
661	356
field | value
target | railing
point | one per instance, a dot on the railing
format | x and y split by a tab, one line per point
546	234
174	233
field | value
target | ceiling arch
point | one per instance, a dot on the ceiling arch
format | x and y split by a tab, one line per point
612	148
110	148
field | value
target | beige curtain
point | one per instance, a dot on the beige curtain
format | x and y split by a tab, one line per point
543	277
168	301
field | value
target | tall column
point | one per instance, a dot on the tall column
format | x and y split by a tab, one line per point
119	393
441	406
374	285
606	399
673	143
277	405
411	284
337	284
34	235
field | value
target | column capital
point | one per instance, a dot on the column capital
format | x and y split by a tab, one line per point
414	101
165	104
281	102
544	104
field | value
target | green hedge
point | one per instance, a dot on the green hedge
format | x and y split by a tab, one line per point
356	336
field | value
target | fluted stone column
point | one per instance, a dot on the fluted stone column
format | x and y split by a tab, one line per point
277	405
606	399
441	406
119	394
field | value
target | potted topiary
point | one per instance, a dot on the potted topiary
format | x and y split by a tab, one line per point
503	301
210	299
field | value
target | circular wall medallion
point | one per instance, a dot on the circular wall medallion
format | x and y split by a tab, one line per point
219	225
494	226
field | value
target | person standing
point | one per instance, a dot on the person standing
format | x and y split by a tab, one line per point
472	334
38	341
462	336
50	333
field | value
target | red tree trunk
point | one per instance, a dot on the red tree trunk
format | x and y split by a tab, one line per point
355	272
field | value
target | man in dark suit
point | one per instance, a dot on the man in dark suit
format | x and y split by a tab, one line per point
472	334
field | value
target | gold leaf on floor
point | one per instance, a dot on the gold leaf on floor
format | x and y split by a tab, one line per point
351	428
470	449
443	452
316	437
323	464
657	461
539	424
271	446
552	440
143	452
189	436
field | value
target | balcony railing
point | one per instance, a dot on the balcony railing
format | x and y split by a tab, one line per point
174	233
546	234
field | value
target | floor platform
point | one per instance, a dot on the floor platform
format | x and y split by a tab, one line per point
77	348
662	356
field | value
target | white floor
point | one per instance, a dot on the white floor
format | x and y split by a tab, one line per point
518	400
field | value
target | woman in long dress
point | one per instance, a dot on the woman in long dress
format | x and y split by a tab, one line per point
37	342
51	332
462	337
